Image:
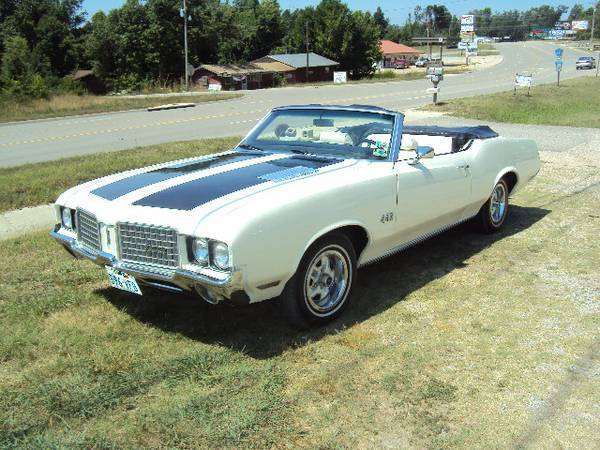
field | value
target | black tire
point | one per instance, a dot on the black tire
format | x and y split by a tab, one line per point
297	305
488	221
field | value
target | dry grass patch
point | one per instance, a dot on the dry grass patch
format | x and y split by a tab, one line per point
464	341
70	104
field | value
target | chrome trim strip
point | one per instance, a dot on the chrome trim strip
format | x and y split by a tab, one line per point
164	287
415	241
352	108
396	137
185	279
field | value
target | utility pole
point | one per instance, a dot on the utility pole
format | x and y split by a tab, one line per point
185	42
307	46
593	26
428	43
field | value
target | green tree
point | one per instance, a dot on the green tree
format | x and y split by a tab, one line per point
101	46
364	44
16	70
577	12
382	22
49	28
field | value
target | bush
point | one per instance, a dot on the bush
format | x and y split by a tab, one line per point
385	75
37	87
279	80
68	85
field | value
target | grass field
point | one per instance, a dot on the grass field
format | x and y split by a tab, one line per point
68	105
39	183
465	341
575	103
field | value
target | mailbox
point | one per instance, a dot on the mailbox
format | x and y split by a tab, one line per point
435	74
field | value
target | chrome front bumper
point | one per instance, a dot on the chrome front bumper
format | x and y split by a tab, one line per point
177	279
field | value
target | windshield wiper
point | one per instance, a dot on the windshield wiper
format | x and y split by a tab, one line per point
251	147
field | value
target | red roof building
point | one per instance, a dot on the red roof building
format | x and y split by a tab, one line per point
393	51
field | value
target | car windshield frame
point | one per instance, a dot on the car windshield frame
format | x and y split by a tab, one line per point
325	149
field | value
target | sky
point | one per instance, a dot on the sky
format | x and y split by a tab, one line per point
395	10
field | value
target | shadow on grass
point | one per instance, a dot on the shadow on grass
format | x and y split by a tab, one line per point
259	330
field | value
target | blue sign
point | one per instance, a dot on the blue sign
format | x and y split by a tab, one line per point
558	53
558	65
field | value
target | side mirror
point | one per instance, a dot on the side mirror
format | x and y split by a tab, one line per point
423	151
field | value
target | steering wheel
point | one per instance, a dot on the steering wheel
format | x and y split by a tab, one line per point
284	129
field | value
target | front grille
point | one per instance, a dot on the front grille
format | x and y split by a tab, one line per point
146	244
88	232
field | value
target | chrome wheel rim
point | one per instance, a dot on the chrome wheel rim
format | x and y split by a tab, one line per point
498	204
327	281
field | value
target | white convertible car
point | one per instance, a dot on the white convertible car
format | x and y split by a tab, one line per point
311	194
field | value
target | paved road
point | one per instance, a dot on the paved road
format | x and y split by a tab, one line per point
58	138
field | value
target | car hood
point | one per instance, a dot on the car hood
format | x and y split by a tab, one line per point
182	192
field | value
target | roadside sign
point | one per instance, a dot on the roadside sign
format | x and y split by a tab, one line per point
523	80
430	40
580	25
558	65
467	19
339	77
433	90
462	45
558	53
467	23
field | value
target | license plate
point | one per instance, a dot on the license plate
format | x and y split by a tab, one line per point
123	281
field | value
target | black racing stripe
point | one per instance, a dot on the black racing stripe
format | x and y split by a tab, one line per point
194	193
127	185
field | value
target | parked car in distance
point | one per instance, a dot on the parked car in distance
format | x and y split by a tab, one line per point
422	61
434	62
401	64
311	194
585	62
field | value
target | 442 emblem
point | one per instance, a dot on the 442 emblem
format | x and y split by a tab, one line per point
387	217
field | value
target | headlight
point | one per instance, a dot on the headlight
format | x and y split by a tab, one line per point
200	251
220	255
67	218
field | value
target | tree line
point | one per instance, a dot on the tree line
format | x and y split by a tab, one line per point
141	42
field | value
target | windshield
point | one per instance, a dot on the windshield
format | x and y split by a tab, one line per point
322	132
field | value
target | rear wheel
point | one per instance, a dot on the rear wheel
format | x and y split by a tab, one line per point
321	287
493	213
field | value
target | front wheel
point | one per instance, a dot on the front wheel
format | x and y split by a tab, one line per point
493	213
321	287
